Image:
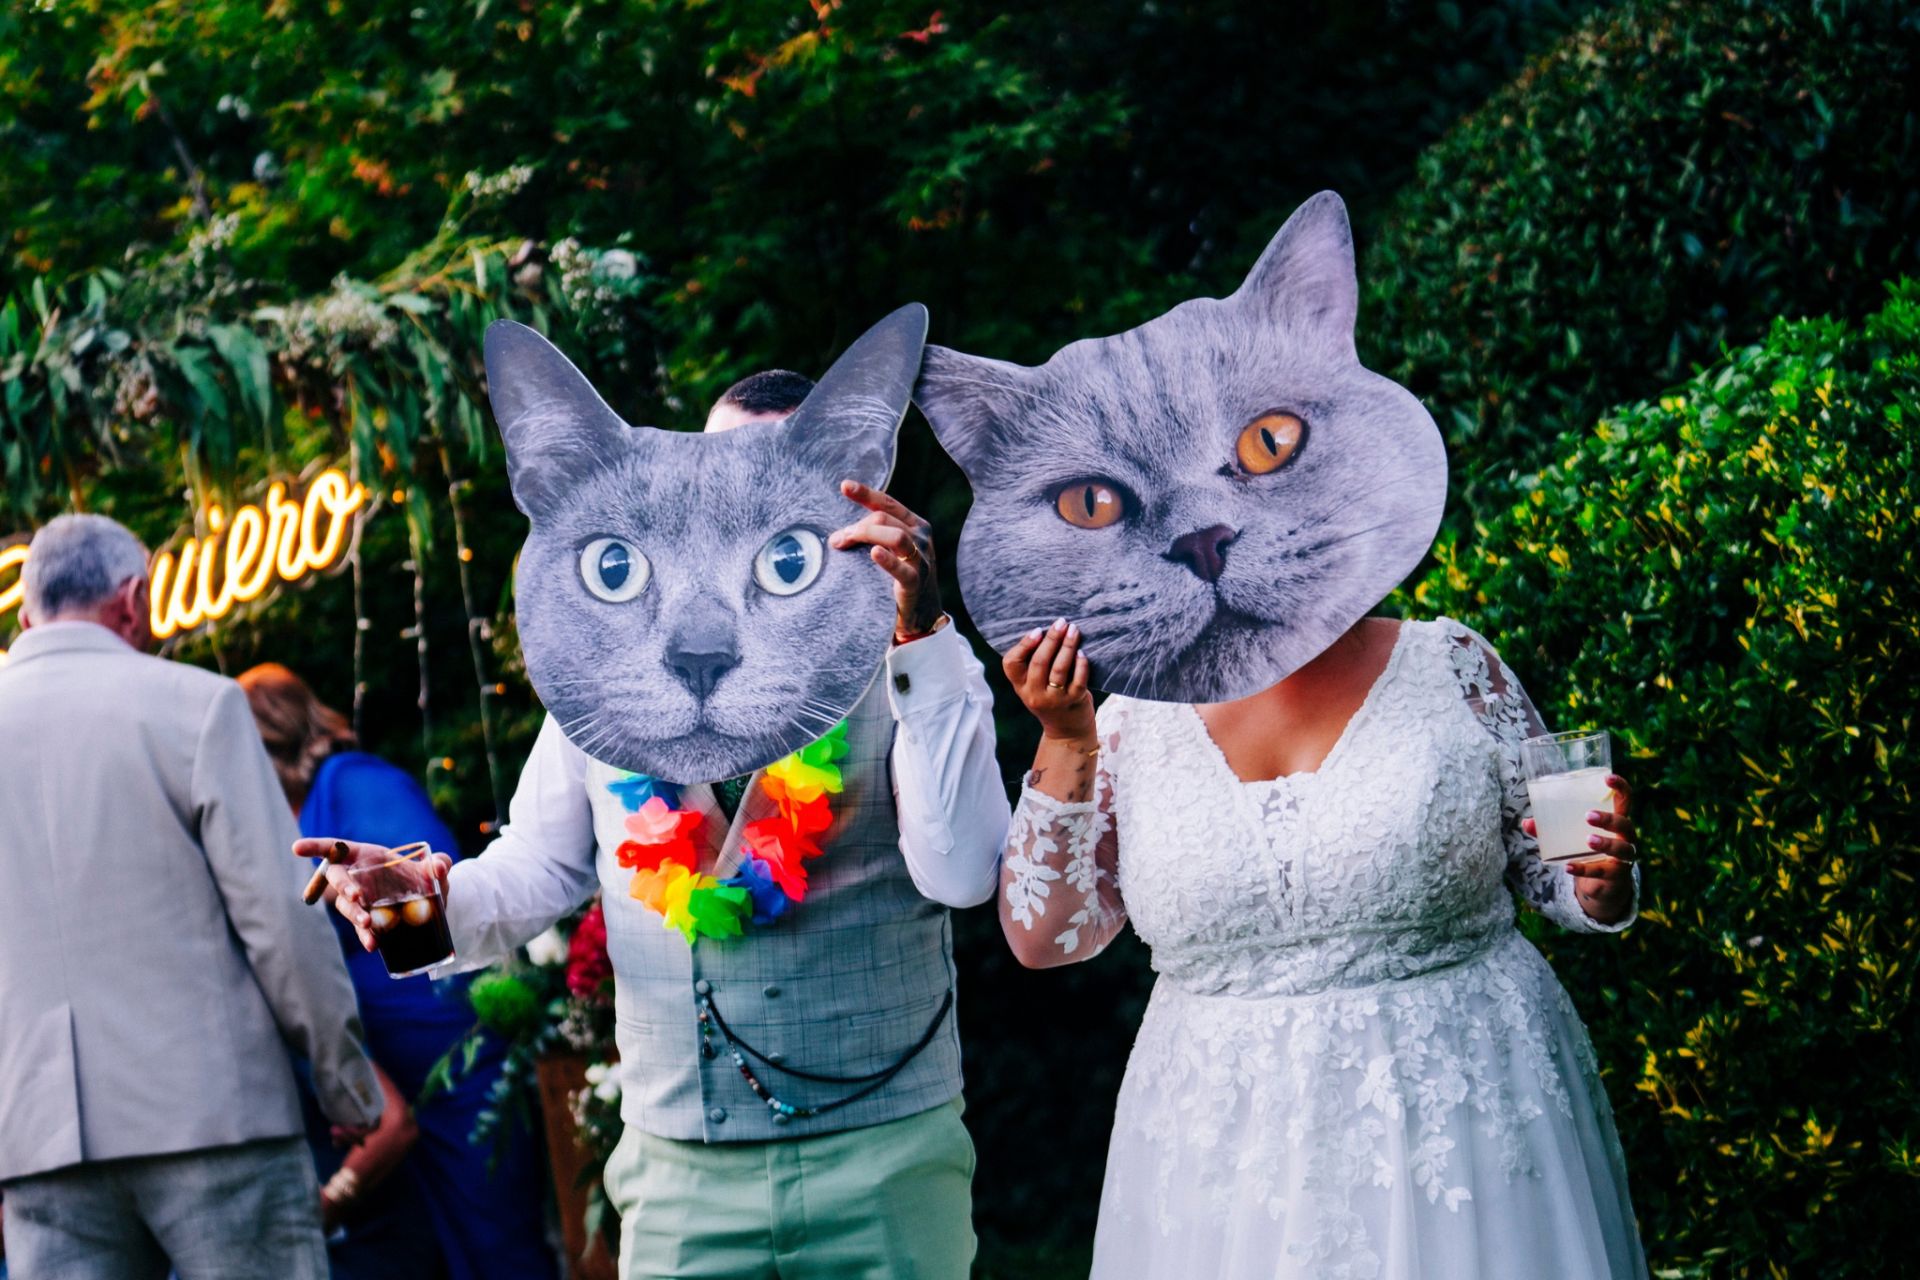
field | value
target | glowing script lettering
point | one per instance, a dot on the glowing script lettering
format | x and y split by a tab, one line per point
238	558
12	560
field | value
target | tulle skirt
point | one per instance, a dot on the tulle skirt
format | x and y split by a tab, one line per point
1446	1126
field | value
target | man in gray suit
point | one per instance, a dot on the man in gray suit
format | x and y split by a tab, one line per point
156	962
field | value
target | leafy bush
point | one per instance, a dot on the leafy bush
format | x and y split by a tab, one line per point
1727	578
1670	178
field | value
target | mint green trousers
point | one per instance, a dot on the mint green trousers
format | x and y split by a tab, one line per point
888	1202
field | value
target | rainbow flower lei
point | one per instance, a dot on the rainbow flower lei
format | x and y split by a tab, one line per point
772	872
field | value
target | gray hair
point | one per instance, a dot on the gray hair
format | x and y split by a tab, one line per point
76	563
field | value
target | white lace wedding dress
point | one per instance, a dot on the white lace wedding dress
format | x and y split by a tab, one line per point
1353	1065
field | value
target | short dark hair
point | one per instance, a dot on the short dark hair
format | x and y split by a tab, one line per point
769	391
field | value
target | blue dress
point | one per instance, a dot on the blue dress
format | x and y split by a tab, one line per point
486	1202
388	1233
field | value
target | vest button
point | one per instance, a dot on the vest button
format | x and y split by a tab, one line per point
772	992
718	1115
703	988
780	1117
776	1057
902	682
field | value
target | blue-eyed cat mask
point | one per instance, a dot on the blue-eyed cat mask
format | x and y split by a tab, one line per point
1214	496
679	609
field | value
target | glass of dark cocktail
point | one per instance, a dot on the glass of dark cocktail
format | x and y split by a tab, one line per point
403	896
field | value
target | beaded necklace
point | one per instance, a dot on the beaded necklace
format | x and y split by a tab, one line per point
784	1112
771	874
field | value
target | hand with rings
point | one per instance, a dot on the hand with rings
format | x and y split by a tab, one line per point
1049	673
901	543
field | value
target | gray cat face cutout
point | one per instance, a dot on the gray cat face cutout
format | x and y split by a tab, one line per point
680	611
1214	496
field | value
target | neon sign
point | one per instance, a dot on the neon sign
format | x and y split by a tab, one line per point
239	557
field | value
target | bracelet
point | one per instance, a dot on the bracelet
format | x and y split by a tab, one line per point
342	1187
901	637
1089	752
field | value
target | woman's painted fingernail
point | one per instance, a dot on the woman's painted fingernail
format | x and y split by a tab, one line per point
1595	841
1036	633
1073	631
1059	624
1594	815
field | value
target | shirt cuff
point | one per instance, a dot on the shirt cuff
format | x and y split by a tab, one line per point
469	943
929	671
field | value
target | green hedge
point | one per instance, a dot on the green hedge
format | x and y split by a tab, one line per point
1670	178
1727	579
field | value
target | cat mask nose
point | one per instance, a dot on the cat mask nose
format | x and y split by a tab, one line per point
700	669
1204	551
703	647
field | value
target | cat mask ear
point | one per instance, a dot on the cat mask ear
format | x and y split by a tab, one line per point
963	397
1306	279
554	423
853	415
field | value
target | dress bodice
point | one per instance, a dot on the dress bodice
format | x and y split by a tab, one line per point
1384	862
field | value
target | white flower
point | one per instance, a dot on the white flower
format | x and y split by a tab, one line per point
619	264
550	948
607	1090
597	1073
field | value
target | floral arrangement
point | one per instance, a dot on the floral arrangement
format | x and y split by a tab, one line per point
558	1002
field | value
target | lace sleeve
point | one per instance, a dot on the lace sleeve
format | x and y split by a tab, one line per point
1059	895
1502	705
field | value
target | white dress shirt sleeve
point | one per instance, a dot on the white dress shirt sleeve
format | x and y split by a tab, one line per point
946	784
541	867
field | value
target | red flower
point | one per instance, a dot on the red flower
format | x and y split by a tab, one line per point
662	835
925	35
636	856
589	968
774	842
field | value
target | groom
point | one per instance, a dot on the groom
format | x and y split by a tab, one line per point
791	1097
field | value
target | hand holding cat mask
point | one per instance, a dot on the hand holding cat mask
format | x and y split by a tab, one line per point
1214	496
679	608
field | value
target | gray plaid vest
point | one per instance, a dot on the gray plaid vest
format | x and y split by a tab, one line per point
844	984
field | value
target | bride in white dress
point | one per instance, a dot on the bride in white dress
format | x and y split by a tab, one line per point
1353	1065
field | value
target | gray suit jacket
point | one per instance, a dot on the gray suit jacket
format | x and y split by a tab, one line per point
155	959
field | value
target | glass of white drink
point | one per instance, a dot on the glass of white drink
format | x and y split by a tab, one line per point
1567	778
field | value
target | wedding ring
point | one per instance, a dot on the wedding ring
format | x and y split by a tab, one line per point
1052	685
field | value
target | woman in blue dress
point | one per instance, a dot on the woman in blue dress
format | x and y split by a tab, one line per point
485	1201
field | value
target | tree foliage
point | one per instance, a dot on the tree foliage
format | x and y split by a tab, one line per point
1727	578
1669	179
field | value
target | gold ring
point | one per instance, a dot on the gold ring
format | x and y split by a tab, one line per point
1052	685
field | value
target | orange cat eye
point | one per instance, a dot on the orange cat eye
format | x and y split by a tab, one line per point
1090	504
1269	441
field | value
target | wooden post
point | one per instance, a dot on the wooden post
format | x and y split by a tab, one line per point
560	1076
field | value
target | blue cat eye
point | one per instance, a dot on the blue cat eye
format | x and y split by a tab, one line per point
613	570
789	562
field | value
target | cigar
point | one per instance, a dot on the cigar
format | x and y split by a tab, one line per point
318	885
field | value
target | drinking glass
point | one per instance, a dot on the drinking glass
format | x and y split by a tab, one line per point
402	894
1566	777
